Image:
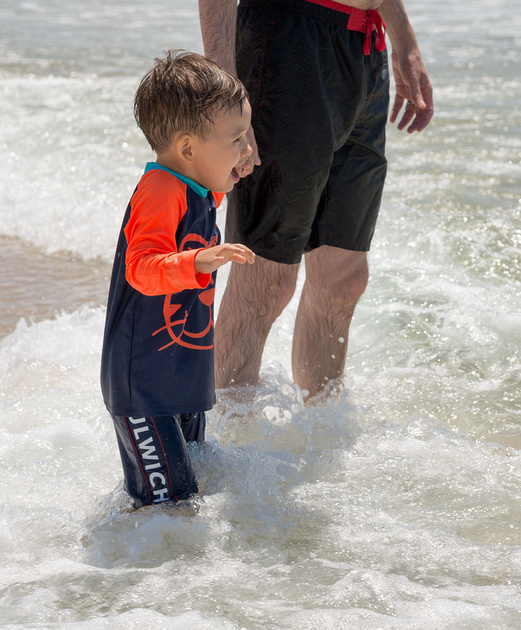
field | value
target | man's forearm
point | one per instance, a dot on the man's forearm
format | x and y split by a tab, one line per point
413	87
218	27
399	28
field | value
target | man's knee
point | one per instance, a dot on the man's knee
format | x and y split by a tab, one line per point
283	288
337	279
354	281
266	286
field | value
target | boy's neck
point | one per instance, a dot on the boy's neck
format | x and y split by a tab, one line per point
171	164
200	190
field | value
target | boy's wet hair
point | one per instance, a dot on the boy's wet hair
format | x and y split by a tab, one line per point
183	92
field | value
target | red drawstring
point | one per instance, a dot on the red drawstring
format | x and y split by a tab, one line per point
367	22
374	23
361	21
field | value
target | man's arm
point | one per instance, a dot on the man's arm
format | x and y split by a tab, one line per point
218	26
412	82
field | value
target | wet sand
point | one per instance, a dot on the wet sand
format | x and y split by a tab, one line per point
36	286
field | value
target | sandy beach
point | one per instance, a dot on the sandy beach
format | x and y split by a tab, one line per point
36	286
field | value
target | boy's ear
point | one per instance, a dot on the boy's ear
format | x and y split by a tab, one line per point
185	147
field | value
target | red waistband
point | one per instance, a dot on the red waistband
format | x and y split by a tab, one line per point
360	20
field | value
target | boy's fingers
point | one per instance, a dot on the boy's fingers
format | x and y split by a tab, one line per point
237	253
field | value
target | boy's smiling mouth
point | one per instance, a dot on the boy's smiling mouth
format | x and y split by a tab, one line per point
235	174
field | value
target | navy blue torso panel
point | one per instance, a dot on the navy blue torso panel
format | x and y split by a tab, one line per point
158	350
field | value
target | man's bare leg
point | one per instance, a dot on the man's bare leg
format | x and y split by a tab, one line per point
254	297
335	280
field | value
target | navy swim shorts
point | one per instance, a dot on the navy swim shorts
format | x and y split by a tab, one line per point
319	110
156	463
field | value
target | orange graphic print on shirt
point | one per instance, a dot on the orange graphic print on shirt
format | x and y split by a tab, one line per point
175	322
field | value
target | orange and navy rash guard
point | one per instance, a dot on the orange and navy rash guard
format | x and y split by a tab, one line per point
157	354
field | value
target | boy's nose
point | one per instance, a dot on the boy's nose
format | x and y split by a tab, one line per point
247	150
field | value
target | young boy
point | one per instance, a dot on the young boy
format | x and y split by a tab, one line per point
157	372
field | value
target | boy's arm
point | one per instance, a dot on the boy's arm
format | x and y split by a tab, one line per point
412	82
153	264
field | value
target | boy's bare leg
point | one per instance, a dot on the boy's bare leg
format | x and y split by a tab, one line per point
254	297
335	280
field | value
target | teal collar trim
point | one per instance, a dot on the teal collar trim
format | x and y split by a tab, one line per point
200	190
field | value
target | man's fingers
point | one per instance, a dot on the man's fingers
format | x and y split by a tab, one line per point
254	159
248	166
409	114
397	106
253	144
417	114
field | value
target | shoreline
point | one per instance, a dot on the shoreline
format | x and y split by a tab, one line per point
37	286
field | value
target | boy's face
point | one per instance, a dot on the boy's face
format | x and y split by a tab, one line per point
218	157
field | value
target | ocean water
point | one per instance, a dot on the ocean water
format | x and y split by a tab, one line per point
396	506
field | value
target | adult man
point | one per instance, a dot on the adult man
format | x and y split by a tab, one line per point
317	76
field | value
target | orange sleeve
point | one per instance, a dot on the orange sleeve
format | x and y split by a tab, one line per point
153	264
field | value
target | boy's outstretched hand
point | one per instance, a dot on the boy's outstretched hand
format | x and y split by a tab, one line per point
208	260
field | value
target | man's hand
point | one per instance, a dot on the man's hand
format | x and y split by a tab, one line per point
208	260
254	159
412	82
414	89
218	27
